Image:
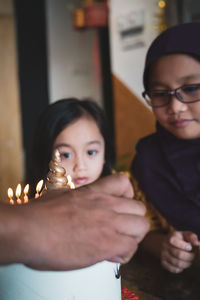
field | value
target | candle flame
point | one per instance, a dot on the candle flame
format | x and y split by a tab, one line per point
26	189
10	193
18	190
39	185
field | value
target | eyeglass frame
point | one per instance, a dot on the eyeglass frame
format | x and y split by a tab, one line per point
170	93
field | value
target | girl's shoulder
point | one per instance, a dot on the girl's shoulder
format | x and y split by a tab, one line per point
147	142
147	150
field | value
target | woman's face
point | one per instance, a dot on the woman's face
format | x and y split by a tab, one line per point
82	150
171	72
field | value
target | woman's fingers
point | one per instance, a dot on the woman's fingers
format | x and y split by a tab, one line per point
117	185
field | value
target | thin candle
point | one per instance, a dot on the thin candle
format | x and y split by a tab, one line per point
70	183
38	188
18	193
10	195
26	189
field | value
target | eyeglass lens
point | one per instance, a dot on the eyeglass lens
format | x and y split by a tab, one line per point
186	94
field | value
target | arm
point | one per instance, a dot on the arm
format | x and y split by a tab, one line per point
66	230
176	250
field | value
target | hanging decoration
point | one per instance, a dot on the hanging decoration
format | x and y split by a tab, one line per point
91	14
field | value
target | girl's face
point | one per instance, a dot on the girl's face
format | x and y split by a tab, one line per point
170	72
82	150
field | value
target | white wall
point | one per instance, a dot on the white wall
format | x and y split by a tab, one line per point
70	52
128	50
70	56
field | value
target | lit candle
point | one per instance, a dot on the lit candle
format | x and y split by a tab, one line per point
10	195
38	188
18	193
70	183
26	189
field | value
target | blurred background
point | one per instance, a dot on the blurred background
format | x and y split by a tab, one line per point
55	49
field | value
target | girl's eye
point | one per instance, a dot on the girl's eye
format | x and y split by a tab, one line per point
92	152
191	89
159	94
66	155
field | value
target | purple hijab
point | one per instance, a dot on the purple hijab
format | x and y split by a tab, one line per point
168	168
183	38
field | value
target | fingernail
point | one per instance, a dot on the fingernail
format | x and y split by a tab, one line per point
188	247
117	259
121	260
195	241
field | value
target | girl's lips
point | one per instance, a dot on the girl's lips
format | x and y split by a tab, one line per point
80	180
181	123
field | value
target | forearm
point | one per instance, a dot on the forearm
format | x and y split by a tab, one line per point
153	243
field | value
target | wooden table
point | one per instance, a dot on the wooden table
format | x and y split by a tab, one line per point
145	276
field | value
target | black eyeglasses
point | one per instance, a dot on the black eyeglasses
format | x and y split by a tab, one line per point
186	94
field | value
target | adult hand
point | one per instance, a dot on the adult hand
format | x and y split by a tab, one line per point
178	250
66	230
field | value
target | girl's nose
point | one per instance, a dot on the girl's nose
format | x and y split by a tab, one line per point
176	106
79	163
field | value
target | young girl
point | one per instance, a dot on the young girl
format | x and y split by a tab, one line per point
167	163
78	129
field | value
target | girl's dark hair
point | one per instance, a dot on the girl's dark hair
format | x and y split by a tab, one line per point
51	122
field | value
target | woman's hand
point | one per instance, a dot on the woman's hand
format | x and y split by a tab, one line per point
178	250
71	229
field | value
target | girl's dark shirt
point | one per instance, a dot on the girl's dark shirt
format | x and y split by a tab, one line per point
168	172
